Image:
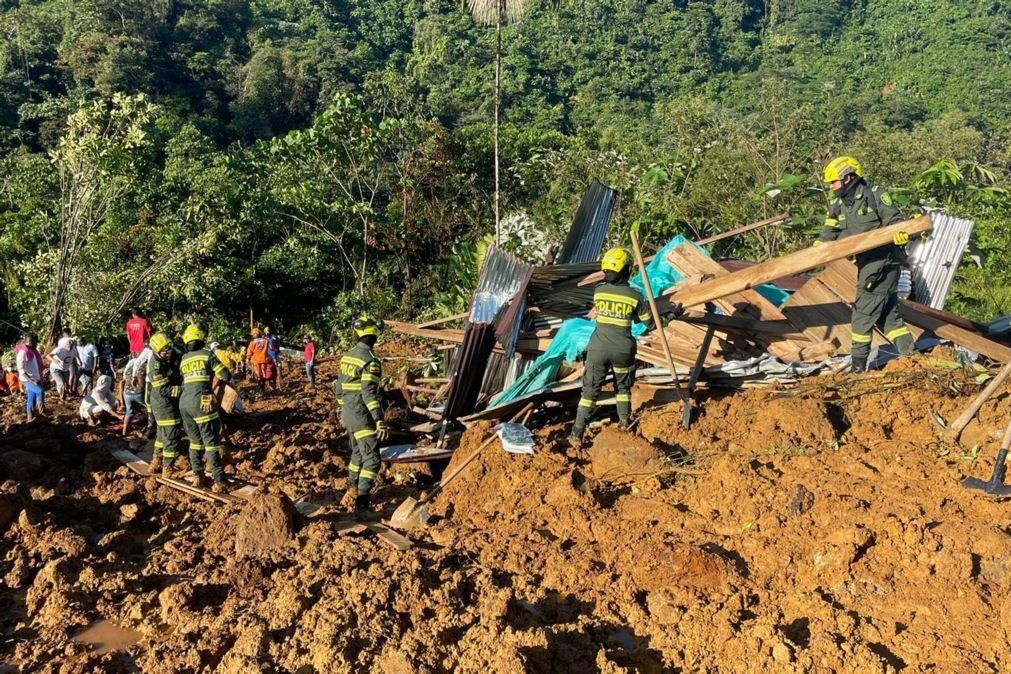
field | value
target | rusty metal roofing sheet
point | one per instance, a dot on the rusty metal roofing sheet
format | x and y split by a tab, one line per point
589	227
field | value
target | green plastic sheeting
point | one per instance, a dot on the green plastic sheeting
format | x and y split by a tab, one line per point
571	340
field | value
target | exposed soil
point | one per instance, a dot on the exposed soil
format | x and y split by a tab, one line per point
817	529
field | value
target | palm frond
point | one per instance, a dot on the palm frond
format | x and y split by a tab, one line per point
486	11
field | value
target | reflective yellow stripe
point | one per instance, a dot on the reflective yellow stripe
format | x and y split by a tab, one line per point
219	369
196	446
624	299
621	370
212	448
354	468
623	398
645	317
832	222
354	361
586	402
169	422
368	377
620	322
351	387
372	404
158	444
364	433
860	339
368	474
892	335
190	378
159	381
204	420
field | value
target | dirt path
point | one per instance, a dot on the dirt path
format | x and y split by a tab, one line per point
823	530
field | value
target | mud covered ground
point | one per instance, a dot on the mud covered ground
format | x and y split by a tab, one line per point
818	529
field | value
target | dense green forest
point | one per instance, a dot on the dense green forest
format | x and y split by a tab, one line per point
303	159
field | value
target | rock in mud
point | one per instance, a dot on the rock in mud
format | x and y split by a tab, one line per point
801	500
265	526
617	456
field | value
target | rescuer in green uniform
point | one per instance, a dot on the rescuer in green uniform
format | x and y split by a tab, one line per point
857	207
359	396
163	402
199	406
612	348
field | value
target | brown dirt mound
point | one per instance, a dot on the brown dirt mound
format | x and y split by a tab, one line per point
265	526
822	531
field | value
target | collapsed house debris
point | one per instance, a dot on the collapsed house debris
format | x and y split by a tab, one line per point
756	324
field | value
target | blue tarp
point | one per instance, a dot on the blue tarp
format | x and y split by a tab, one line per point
571	340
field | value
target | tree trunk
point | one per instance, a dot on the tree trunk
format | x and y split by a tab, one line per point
498	86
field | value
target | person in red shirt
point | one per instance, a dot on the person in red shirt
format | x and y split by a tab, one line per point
310	360
138	330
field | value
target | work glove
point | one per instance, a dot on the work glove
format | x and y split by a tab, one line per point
900	238
206	403
382	431
673	311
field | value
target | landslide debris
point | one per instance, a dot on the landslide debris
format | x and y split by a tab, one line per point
820	529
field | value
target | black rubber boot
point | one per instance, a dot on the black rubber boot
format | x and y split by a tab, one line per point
362	503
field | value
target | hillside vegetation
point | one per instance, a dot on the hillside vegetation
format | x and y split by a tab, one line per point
304	159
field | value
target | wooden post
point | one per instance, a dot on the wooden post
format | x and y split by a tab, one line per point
659	325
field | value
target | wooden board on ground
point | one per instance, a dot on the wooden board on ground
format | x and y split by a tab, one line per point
355	524
238	494
229	396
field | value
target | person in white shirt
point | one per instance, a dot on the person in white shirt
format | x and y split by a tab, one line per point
60	361
98	401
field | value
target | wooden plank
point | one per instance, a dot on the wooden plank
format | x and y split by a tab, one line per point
142	467
970	340
840	277
688	259
795	263
945	316
440	321
820	314
389	536
774	220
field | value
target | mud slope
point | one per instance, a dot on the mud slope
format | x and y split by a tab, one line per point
821	529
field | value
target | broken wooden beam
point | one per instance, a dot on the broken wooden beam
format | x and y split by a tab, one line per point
795	263
774	220
965	338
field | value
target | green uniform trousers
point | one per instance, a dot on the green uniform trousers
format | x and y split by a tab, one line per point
877	305
602	359
204	431
364	465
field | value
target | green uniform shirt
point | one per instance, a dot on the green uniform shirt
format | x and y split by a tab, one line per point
166	384
867	208
357	387
198	369
617	305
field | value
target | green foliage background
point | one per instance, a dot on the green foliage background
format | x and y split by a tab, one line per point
308	159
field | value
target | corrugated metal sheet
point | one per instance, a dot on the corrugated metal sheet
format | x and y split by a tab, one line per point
935	261
503	278
502	275
589	227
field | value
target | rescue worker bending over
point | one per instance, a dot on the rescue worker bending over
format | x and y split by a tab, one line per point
199	406
359	396
612	348
857	207
163	402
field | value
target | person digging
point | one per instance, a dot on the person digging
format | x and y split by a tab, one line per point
359	398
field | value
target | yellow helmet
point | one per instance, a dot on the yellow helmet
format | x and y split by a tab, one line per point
840	167
615	260
159	342
194	333
366	325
